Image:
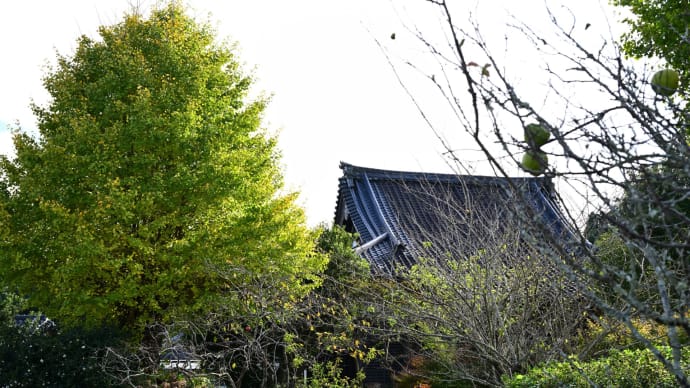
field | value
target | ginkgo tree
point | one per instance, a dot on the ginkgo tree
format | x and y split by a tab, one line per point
658	29
152	191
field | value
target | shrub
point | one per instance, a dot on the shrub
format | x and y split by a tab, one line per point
602	334
62	359
329	374
621	368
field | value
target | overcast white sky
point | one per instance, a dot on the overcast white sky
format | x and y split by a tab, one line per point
335	97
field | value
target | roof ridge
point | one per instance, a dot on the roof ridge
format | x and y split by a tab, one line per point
377	173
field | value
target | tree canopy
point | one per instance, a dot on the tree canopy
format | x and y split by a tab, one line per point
659	29
153	189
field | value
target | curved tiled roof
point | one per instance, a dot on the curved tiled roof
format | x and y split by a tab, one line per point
399	215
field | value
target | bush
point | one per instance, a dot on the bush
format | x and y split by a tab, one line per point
64	359
621	368
330	374
601	334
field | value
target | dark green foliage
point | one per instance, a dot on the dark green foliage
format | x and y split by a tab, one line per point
651	216
621	368
344	263
339	313
30	358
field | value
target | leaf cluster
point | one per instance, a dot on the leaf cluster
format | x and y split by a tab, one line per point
620	368
658	29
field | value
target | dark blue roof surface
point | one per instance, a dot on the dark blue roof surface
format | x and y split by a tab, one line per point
395	213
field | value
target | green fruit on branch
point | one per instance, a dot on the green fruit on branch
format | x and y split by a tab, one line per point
665	82
536	135
535	162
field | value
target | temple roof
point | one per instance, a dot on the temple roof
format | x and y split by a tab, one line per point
401	215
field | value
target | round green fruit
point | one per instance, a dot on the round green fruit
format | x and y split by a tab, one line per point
535	162
536	135
665	82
